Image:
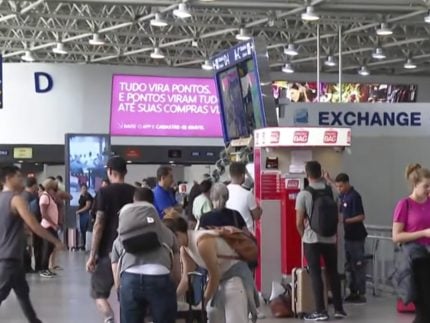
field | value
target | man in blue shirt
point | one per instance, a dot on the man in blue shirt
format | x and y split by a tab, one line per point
164	197
352	211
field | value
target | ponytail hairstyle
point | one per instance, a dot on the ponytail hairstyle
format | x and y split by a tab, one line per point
415	174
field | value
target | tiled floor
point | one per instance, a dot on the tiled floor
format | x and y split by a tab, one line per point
65	299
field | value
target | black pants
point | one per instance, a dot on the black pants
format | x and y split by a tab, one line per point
313	253
38	252
12	277
48	248
421	270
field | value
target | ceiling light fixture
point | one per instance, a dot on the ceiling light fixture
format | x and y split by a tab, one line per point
97	40
330	61
291	50
59	49
383	30
410	64
157	54
195	43
207	66
243	35
427	18
28	57
309	14
378	53
363	71
182	12
288	68
158	21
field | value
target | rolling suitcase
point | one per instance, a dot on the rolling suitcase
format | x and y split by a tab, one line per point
194	298
72	239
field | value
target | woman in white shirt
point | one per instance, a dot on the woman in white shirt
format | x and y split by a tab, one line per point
227	296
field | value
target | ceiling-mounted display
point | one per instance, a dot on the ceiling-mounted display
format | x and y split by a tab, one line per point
164	107
351	92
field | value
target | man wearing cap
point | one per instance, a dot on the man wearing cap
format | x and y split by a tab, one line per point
109	202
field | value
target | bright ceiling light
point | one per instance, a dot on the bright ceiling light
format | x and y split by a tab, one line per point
330	61
309	14
158	21
182	12
291	50
427	18
383	30
97	40
288	69
363	71
410	64
207	66
195	43
59	49
28	57
157	54
243	35
378	53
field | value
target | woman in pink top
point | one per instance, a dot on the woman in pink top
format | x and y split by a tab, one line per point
50	217
411	229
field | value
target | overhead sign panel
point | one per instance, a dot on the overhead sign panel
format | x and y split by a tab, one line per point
164	107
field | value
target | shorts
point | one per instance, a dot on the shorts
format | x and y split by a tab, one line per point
102	279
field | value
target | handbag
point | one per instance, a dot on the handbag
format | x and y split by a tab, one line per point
281	306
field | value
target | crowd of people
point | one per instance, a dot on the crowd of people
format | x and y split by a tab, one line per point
144	243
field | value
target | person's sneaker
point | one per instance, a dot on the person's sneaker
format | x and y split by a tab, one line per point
317	317
339	315
46	274
110	320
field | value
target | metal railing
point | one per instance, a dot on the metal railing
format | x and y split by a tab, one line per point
380	256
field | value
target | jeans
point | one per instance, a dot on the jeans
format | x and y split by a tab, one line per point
12	276
356	266
48	248
313	253
84	225
236	304
138	293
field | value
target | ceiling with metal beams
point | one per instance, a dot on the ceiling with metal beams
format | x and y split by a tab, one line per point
35	28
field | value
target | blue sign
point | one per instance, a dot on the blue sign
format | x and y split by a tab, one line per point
369	119
43	82
233	55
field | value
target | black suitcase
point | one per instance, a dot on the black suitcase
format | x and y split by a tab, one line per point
194	298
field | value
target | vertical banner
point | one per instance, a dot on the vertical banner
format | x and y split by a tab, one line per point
1	82
85	160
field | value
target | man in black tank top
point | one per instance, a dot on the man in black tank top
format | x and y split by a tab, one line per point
14	213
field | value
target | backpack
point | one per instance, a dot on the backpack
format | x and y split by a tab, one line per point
139	228
324	218
244	244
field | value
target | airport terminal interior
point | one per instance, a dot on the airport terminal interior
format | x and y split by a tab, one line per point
267	159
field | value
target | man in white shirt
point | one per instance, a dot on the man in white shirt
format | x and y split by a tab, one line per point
241	199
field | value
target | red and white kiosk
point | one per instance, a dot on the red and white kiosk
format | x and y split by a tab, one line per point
276	188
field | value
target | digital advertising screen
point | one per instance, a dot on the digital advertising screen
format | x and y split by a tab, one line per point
351	92
241	99
86	158
164	107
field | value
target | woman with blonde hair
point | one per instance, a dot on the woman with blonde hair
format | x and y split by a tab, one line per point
50	221
411	229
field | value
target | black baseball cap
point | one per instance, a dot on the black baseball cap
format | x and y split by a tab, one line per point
118	164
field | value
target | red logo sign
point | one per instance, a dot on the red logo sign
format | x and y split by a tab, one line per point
348	140
301	137
293	184
330	137
275	136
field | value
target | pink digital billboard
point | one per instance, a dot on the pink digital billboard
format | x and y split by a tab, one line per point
164	107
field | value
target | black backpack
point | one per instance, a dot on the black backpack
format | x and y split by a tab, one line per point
325	216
